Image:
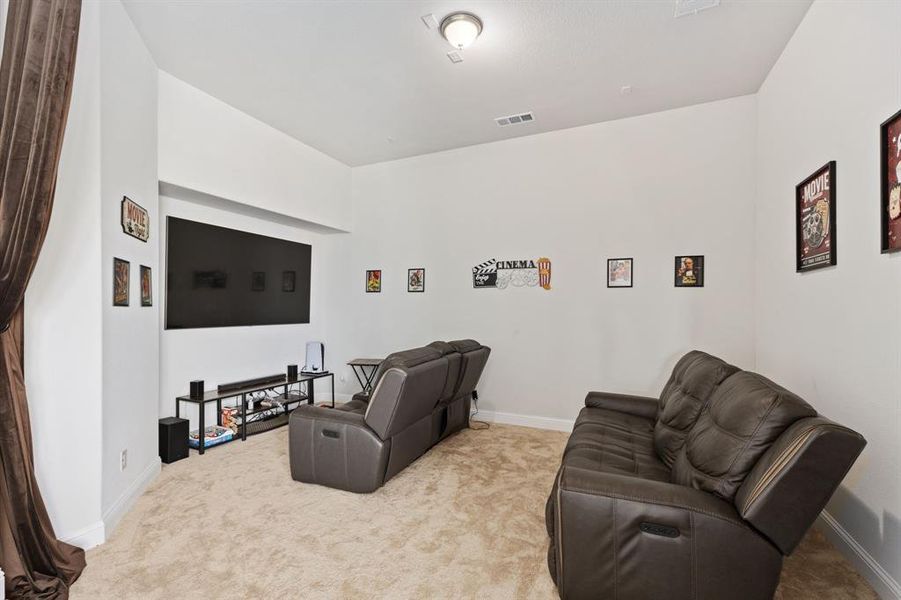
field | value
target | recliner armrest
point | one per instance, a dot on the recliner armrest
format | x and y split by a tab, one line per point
336	448
618	535
640	406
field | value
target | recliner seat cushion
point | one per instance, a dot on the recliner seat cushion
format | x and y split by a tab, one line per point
743	418
694	379
612	442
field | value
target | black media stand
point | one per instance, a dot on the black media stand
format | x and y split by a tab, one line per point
293	391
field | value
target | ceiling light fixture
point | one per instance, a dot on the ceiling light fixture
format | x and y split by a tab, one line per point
461	29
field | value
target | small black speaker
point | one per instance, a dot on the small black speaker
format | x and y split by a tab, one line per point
197	388
292	372
173	439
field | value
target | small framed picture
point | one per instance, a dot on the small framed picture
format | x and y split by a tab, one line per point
374	281
815	220
415	280
289	281
146	286
619	272
890	173
121	270
690	271
258	281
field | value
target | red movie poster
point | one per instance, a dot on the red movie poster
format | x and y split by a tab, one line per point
815	198
891	184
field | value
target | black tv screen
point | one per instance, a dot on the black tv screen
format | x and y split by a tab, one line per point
220	277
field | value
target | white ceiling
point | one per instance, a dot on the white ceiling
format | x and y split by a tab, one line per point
366	81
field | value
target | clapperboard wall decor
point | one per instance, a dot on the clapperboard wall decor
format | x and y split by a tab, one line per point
501	274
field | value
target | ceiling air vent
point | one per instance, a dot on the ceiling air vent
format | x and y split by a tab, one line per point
685	8
515	119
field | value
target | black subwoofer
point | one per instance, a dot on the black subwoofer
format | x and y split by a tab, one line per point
173	439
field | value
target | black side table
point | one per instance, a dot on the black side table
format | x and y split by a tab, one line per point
364	377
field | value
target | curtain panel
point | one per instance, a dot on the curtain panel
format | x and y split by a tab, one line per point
36	75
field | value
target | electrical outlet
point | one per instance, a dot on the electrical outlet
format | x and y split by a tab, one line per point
123	460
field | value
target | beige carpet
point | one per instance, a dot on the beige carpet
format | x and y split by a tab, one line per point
465	521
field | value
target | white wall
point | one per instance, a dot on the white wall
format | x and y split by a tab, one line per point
833	335
650	187
63	316
128	110
206	145
223	354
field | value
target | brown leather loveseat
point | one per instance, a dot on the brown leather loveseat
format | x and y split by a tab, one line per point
419	397
698	494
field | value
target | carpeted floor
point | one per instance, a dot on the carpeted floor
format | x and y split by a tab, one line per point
464	521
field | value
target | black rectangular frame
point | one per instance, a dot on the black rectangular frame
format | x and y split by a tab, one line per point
884	187
833	250
631	270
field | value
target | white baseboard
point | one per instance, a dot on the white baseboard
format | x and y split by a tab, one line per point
123	504
87	537
884	584
525	420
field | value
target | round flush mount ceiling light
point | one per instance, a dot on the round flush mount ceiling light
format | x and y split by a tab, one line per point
461	29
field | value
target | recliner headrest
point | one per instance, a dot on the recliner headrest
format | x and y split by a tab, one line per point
443	347
463	346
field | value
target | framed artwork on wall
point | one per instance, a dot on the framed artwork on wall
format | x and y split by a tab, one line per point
146	286
416	280
890	173
374	281
815	220
619	272
258	281
121	269
690	271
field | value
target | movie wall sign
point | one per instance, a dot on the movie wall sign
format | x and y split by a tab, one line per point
135	219
815	220
890	173
501	274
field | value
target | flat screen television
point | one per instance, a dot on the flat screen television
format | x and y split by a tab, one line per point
220	277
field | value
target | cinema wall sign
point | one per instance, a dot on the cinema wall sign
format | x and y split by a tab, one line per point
135	220
501	274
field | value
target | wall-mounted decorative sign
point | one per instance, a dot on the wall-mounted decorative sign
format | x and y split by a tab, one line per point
815	220
374	281
146	287
890	142
690	271
121	270
135	219
501	274
619	272
415	280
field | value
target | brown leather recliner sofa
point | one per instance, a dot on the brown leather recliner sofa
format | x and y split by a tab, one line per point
419	397
698	494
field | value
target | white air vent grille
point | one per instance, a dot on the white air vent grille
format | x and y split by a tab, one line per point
515	119
455	57
685	8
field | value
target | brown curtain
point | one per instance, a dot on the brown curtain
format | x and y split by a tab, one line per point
35	86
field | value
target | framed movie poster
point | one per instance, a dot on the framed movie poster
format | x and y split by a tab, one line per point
690	271
890	142
415	280
121	270
619	272
374	281
146	287
815	220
